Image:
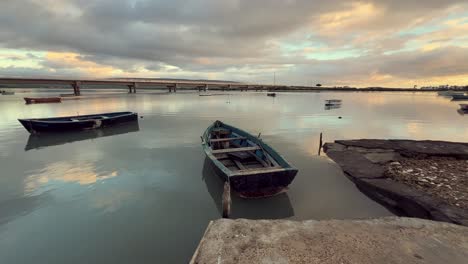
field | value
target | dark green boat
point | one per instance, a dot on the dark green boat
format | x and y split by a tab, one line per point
252	168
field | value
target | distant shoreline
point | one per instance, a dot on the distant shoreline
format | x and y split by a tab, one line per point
275	89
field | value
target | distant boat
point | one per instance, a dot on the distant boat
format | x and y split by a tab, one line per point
74	123
67	95
7	93
456	97
271	94
39	100
332	102
449	93
252	168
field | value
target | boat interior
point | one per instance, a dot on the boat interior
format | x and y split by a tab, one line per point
238	153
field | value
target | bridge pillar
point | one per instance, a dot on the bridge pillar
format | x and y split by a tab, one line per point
175	87
76	88
206	87
132	88
229	87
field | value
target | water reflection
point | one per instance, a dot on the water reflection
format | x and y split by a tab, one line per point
332	106
276	207
83	173
53	139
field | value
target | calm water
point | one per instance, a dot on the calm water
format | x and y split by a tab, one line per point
145	194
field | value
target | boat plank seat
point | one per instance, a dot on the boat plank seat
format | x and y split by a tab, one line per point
231	150
259	170
226	139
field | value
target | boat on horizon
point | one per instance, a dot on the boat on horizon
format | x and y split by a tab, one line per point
40	100
251	167
449	93
333	102
76	123
459	97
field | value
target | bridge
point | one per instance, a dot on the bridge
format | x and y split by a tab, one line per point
133	84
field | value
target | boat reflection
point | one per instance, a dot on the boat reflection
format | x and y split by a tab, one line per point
332	106
53	139
276	207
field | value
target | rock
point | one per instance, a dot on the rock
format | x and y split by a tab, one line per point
358	160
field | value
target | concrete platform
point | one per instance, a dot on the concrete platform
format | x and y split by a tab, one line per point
385	240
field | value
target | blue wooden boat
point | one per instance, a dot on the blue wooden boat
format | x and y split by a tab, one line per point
74	123
44	140
252	168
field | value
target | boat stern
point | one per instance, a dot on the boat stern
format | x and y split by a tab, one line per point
262	183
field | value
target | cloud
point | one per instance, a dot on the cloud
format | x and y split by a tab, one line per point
334	41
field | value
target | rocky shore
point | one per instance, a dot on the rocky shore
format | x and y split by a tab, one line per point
426	179
386	240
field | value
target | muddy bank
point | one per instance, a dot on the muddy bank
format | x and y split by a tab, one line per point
385	240
425	179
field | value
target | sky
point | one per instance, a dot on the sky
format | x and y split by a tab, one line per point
391	43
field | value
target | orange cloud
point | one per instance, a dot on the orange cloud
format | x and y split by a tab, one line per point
358	13
75	61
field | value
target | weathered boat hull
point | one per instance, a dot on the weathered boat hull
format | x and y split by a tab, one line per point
40	100
252	183
76	123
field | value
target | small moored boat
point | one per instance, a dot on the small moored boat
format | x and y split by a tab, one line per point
332	102
7	93
252	168
456	97
449	93
271	94
464	107
39	100
74	123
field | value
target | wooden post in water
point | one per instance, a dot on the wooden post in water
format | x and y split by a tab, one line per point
226	200
320	144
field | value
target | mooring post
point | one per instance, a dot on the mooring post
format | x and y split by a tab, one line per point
226	200
320	144
76	88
